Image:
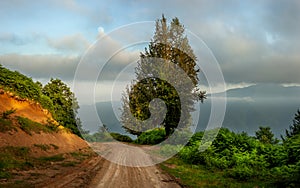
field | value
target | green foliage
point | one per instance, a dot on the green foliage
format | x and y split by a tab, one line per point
5	122
169	45
167	149
56	96
23	87
43	147
30	126
152	137
98	137
245	158
191	175
54	158
295	128
13	158
265	135
7	113
64	103
6	125
120	137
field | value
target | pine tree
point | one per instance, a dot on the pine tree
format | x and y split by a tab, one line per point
265	135
168	46
295	128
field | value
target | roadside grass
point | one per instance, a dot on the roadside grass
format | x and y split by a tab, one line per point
80	156
199	176
30	126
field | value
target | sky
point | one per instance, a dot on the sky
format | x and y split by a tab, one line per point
252	42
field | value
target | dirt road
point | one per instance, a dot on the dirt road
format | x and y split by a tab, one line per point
127	167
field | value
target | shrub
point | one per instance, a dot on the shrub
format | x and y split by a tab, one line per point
152	137
121	138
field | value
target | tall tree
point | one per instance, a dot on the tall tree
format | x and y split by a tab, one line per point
65	104
295	128
168	46
265	135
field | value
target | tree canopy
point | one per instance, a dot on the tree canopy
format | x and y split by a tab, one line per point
65	104
168	51
295	128
265	135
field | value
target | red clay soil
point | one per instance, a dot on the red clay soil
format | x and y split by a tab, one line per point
65	141
24	108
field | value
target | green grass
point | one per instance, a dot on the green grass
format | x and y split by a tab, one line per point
6	125
13	158
43	147
199	176
30	126
54	158
69	163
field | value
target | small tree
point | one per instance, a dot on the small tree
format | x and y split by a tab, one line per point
65	105
295	128
265	135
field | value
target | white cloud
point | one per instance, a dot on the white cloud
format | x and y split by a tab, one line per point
72	43
42	66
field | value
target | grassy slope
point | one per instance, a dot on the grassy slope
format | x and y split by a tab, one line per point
198	176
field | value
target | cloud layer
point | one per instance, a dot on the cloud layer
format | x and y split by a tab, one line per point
253	42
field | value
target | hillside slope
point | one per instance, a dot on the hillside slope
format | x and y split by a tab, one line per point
36	151
64	140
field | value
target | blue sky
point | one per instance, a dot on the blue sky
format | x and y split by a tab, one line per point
254	42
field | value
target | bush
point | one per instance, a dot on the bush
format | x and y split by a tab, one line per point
152	137
167	150
121	138
242	172
98	137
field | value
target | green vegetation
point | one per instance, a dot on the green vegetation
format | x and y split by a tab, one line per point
191	175
295	128
64	103
5	122
54	158
43	147
265	135
151	137
6	125
120	137
106	137
98	137
7	113
69	163
54	146
30	126
168	46
55	96
23	87
236	159
13	158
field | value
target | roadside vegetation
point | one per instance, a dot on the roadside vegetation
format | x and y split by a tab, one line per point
239	160
55	96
